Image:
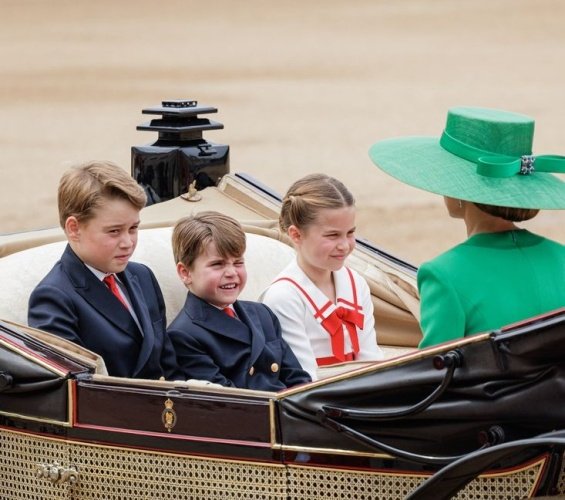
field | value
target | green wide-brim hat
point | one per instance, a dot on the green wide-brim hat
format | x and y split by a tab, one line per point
483	156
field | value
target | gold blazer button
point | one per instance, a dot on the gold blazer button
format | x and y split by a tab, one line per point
274	367
251	370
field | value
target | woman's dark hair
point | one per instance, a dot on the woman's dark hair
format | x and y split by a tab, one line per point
509	213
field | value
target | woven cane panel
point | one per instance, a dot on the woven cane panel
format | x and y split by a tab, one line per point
18	459
317	484
118	474
518	484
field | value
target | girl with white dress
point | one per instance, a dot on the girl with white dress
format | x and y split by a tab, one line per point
325	308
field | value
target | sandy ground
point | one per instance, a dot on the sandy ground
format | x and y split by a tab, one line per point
301	86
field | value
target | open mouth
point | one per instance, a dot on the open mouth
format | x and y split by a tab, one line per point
230	286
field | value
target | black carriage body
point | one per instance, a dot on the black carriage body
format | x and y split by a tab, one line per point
125	438
500	388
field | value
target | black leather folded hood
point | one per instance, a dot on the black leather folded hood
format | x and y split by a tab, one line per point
33	377
437	404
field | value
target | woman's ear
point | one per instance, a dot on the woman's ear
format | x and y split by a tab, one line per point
184	274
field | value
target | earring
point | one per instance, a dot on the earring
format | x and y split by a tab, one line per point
460	204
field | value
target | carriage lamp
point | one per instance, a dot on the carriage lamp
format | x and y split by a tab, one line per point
181	157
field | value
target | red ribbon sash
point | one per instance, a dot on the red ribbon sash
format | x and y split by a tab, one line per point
334	323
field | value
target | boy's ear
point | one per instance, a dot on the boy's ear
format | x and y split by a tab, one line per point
72	227
184	274
294	234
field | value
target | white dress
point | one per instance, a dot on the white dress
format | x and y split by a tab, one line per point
318	331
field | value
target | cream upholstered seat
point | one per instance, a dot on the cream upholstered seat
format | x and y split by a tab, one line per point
21	272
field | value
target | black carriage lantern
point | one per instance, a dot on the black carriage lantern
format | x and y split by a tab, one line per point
181	156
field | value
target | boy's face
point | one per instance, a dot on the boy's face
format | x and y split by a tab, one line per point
107	240
217	280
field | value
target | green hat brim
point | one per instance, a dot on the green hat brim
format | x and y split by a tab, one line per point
421	162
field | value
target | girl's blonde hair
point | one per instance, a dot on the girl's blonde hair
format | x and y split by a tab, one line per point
307	196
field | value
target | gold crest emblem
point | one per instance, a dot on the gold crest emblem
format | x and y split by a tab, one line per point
169	415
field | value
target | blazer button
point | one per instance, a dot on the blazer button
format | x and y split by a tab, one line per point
274	367
251	370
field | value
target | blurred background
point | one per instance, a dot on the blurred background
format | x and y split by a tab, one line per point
301	86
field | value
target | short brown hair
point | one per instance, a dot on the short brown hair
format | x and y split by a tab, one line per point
509	213
192	234
83	188
308	195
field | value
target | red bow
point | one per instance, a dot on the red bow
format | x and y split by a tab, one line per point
333	324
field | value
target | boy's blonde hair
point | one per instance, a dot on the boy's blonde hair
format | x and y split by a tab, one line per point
307	196
84	188
192	234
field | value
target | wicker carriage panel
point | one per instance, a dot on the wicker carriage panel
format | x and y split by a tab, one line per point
117	474
110	473
19	457
311	483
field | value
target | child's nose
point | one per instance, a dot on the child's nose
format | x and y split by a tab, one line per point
229	270
128	240
342	243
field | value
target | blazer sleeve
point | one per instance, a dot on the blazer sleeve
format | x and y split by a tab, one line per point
442	315
51	309
291	313
193	358
168	358
291	372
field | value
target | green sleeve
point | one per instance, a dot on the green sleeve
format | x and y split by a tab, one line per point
442	316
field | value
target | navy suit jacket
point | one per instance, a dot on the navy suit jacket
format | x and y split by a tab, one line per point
248	352
73	303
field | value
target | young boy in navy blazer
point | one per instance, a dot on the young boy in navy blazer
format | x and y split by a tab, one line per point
218	338
94	296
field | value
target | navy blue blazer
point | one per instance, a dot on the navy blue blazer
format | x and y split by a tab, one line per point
73	303
248	352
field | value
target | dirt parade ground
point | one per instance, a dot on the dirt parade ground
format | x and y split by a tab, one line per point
300	87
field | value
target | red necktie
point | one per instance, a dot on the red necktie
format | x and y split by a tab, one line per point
110	281
229	311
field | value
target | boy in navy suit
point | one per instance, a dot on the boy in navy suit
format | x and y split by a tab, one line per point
94	296
218	338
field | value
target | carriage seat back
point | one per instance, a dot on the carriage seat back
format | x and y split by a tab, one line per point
20	272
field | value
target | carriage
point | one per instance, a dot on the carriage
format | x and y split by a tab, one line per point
475	418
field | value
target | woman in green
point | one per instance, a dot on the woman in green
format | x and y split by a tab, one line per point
484	168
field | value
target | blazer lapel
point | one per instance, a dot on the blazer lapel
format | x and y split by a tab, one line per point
97	294
213	319
142	312
249	316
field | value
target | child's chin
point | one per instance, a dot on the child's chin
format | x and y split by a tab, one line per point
118	269
336	265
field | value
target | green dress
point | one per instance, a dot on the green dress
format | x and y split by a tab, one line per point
490	280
